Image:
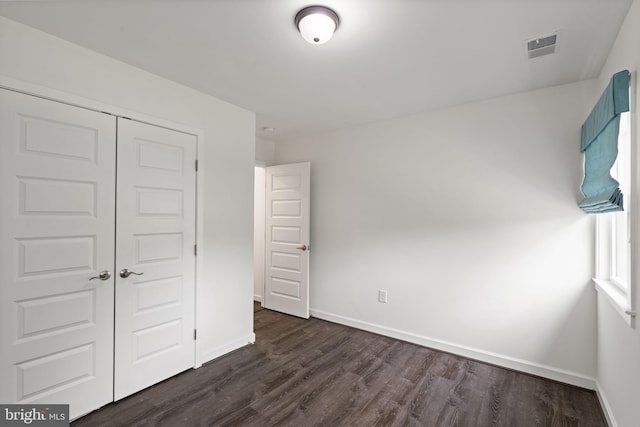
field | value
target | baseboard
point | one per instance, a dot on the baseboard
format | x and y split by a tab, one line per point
567	377
257	298
606	408
216	352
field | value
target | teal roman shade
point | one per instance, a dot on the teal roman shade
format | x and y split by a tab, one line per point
599	143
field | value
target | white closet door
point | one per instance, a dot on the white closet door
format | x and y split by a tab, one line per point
57	179
155	237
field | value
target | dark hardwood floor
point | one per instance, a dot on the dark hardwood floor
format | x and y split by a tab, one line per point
316	373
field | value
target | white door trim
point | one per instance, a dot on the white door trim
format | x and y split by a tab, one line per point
89	104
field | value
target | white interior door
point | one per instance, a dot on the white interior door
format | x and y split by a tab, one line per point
57	181
287	239
155	310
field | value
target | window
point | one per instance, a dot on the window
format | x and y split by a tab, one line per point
613	233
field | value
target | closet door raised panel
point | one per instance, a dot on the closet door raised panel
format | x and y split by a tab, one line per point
57	180
155	304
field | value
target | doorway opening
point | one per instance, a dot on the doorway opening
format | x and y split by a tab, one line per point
259	234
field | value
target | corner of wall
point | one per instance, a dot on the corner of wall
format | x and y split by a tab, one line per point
606	407
207	355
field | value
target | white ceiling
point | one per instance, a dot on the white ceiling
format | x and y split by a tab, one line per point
389	58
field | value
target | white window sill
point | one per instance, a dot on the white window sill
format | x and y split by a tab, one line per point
618	300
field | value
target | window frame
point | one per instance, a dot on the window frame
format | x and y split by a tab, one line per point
613	251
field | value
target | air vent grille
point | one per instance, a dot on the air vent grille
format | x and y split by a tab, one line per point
542	46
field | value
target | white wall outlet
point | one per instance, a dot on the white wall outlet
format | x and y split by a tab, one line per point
382	296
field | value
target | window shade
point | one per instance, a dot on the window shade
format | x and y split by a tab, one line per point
599	142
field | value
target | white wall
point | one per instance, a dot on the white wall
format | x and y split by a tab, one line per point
468	217
225	316
618	344
265	151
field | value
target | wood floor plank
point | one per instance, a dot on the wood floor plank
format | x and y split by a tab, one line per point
306	373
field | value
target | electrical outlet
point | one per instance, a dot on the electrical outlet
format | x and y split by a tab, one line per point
382	296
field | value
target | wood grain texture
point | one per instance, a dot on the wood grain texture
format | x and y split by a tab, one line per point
316	373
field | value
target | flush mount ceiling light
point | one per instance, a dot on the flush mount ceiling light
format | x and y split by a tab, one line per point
317	24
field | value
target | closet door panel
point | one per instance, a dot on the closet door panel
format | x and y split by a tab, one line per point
57	216
155	310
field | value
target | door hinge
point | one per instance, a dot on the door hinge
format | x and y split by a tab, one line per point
195	334
195	250
196	165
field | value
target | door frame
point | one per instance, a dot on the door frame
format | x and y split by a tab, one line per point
259	236
89	104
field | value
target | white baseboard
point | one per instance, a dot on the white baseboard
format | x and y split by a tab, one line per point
606	408
216	352
257	298
533	368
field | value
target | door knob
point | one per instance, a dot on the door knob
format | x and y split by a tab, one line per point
302	248
124	273
103	275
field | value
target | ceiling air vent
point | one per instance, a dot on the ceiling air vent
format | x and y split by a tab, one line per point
541	46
